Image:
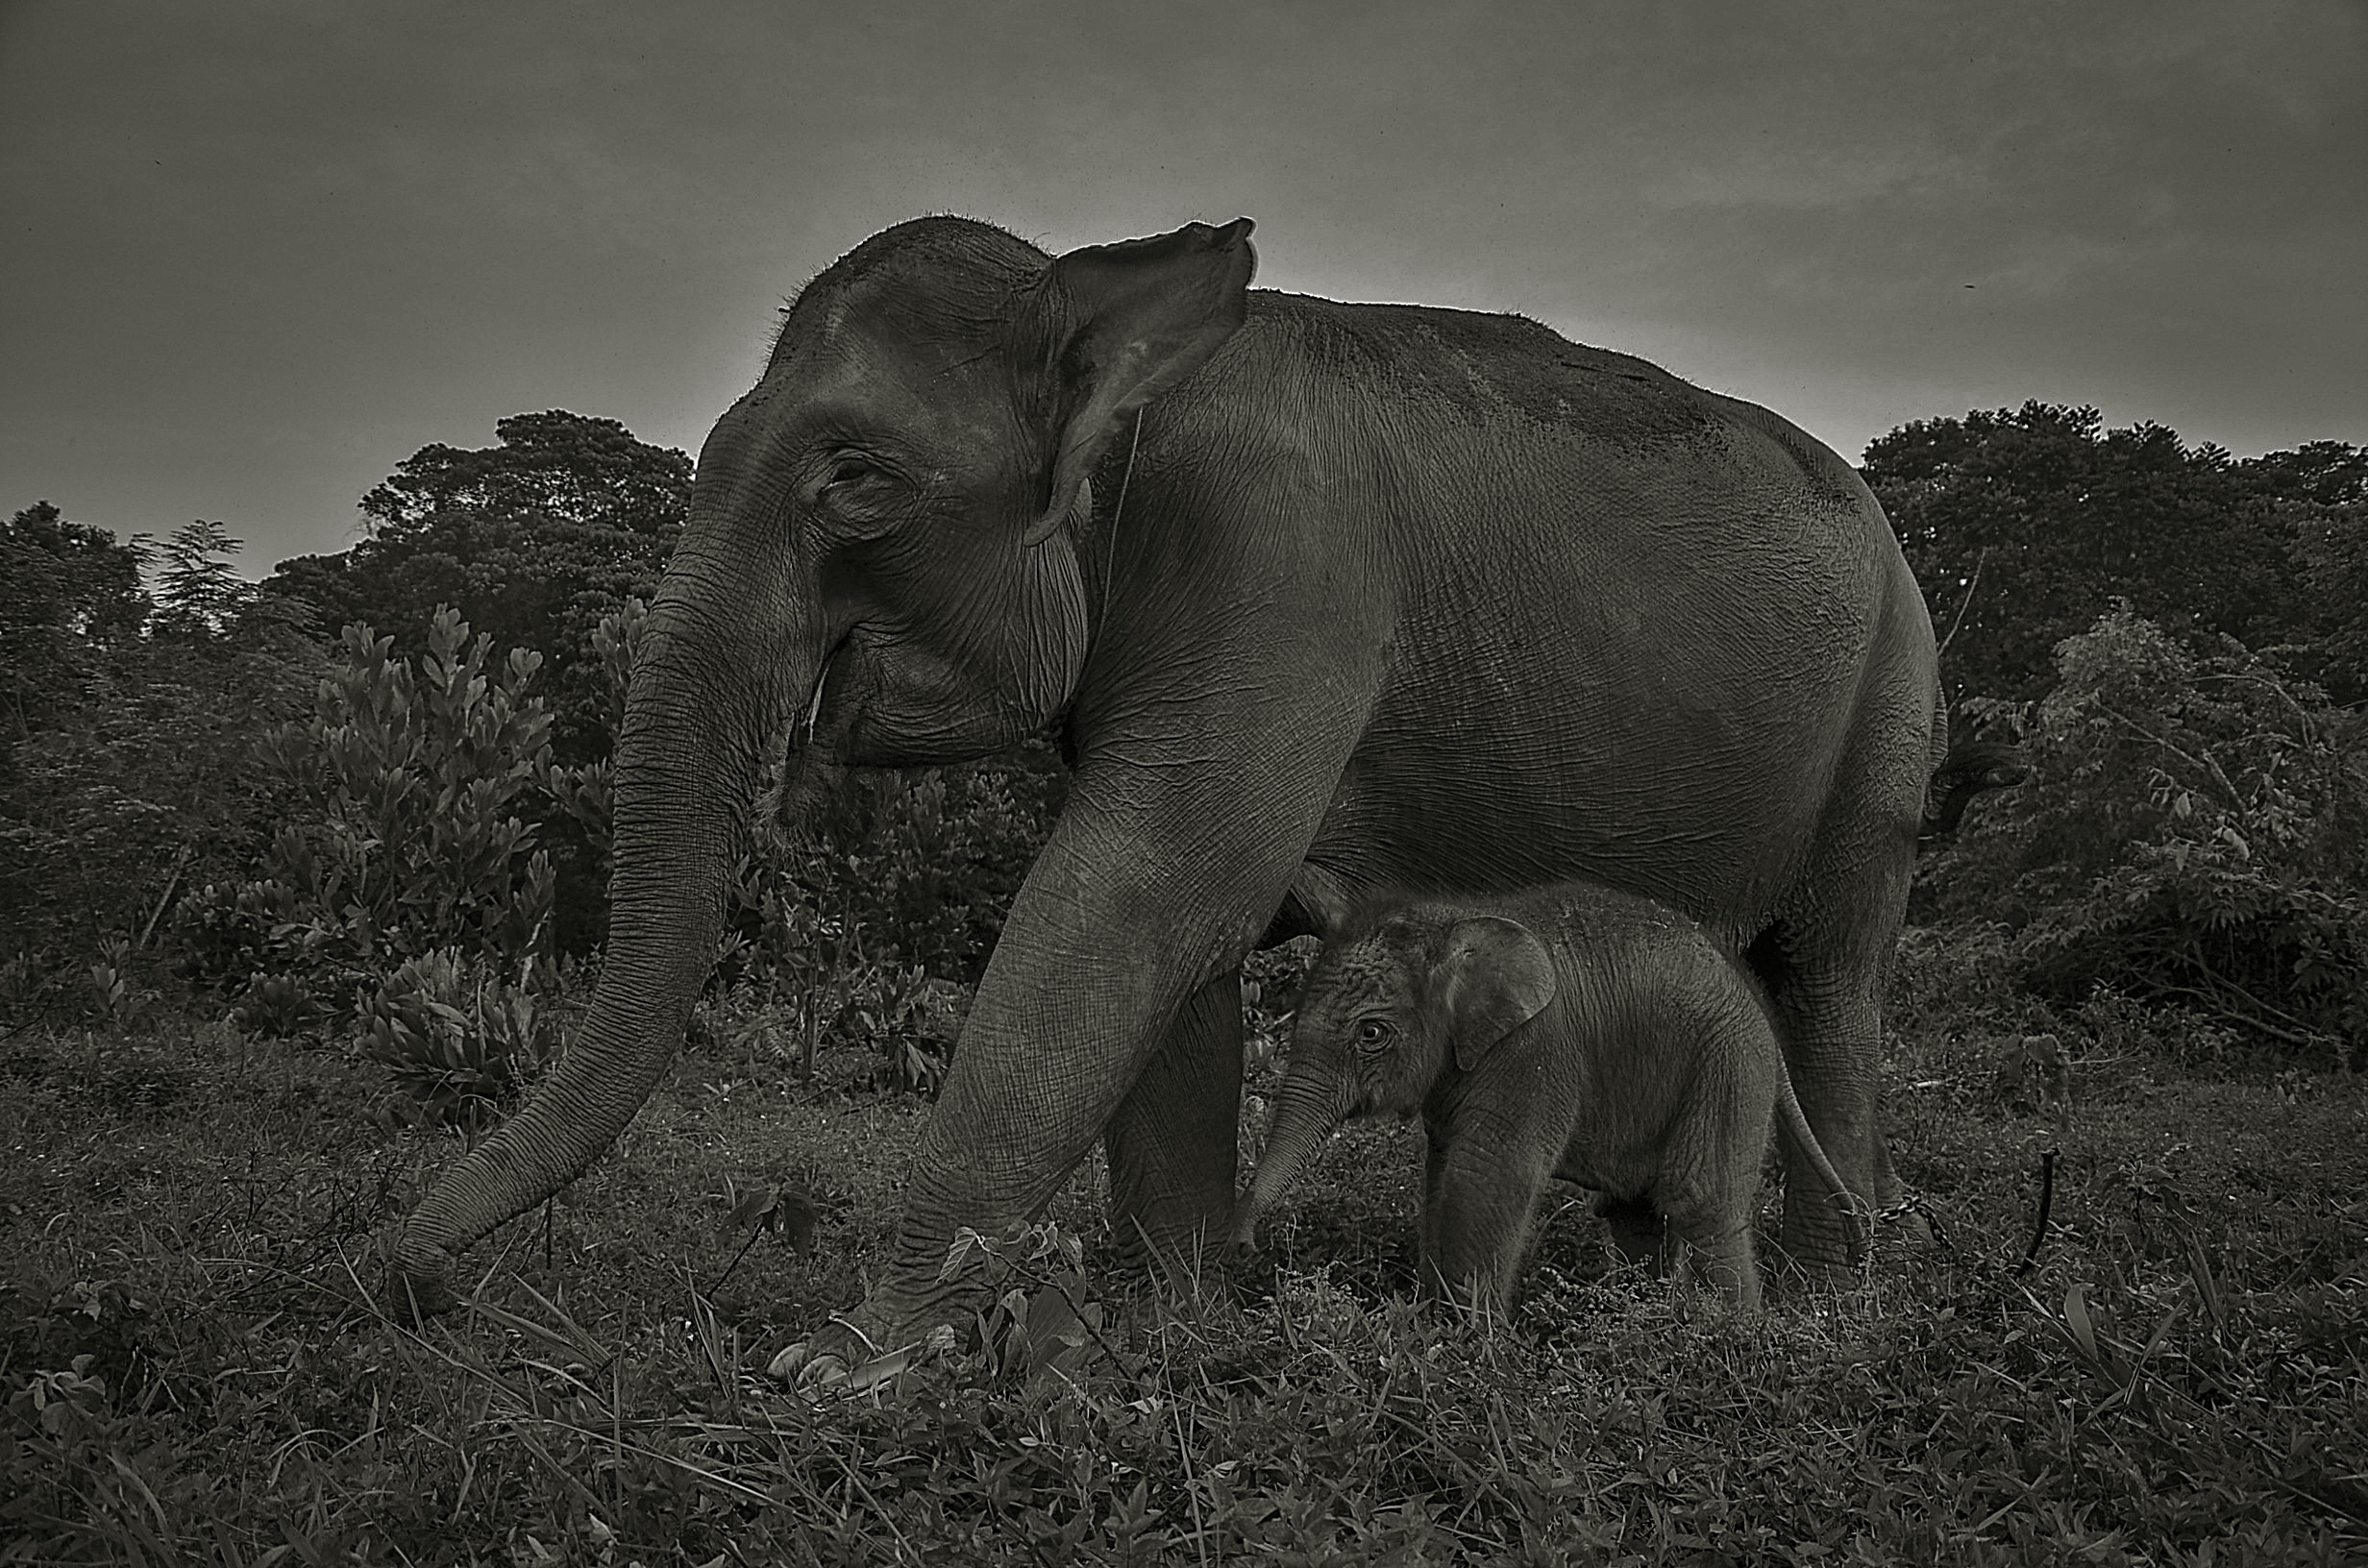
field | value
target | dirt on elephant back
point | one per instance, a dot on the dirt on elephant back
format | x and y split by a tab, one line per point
1486	365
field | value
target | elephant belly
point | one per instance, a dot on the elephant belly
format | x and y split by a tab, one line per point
1715	831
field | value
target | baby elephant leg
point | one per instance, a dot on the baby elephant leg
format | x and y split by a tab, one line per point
1477	1217
1722	1255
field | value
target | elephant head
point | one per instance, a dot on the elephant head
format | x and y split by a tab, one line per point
1387	1012
881	568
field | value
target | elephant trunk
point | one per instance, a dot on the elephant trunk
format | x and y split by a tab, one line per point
709	686
1307	1109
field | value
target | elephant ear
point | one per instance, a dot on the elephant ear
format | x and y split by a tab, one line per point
1495	977
1126	322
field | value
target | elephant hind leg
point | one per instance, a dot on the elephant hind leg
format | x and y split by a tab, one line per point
1828	1015
1824	963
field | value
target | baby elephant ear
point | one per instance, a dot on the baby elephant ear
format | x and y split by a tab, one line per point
1495	977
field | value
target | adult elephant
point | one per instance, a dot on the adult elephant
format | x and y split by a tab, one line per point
1326	595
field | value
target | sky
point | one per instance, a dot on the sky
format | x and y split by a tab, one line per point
258	253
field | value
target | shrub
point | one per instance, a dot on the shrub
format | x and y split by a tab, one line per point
2195	833
416	788
461	1040
914	866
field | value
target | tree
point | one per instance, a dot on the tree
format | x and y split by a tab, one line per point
2320	497
199	593
68	593
2025	525
533	540
565	468
2194	832
127	777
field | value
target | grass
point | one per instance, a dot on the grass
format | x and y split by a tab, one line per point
194	1368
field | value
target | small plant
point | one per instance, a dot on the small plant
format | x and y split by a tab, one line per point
115	997
462	1044
23	985
276	1006
1041	1323
903	1016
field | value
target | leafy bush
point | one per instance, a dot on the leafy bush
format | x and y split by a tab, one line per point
416	788
918	866
124	772
2195	833
461	1040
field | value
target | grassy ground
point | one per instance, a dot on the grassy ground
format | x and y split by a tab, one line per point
194	1368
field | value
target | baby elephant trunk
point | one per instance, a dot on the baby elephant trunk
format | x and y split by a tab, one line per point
1306	1111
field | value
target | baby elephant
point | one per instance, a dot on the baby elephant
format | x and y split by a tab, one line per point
1568	1031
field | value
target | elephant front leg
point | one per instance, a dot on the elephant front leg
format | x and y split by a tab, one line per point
1174	1141
1476	1217
1110	1011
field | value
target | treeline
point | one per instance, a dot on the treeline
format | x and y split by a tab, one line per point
2177	640
232	783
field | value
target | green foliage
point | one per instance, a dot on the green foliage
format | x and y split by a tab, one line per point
2025	525
918	866
128	778
2195	832
533	540
2175	1380
461	1040
199	594
414	788
68	594
2322	500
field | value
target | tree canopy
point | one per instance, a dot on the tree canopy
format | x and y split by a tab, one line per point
533	540
68	592
2025	525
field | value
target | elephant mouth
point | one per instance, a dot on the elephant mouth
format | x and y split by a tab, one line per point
800	766
824	721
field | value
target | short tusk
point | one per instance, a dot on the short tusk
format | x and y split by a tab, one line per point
814	704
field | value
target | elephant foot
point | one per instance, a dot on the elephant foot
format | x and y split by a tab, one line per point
828	1374
857	1350
1826	1234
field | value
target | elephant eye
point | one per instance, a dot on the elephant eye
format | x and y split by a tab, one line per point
1374	1033
848	473
862	493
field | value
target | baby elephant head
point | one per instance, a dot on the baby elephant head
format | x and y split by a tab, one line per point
1388	1005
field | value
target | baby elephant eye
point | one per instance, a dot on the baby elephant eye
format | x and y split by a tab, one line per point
1373	1032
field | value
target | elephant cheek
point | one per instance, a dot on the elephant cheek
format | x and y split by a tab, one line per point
976	672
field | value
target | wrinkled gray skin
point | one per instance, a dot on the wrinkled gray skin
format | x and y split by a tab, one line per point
1970	768
1325	596
1570	1032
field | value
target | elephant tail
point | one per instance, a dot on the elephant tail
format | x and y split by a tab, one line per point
1797	1129
1969	768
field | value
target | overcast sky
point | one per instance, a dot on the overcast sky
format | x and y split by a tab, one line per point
258	253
